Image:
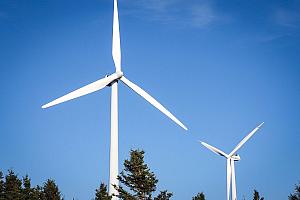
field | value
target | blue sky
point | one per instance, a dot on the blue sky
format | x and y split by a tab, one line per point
220	67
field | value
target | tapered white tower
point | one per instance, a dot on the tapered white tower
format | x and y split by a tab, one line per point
231	158
112	81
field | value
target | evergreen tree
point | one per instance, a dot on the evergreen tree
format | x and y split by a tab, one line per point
12	187
256	196
123	194
101	193
163	195
199	196
139	179
296	195
37	193
26	190
1	186
51	191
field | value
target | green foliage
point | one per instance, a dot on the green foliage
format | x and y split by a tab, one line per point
256	196
164	195
101	193
51	191
199	196
139	179
37	193
137	176
26	190
1	186
296	194
12	187
123	194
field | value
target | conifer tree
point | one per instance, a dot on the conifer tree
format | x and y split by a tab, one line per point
102	193
296	194
123	194
26	190
256	196
51	191
199	196
137	176
139	179
1	186
12	186
163	195
37	193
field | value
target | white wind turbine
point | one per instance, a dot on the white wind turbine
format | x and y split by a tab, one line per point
231	158
112	81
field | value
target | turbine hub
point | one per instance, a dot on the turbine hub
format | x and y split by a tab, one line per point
119	75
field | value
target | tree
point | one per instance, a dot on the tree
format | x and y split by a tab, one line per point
1	186
164	195
199	196
37	193
139	179
26	190
51	191
123	194
12	186
256	196
296	195
102	194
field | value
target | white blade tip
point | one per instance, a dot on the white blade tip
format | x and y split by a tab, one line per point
185	128
260	125
203	143
45	106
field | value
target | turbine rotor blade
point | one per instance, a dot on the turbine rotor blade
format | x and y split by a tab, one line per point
116	44
92	87
214	149
245	140
228	178
233	193
151	100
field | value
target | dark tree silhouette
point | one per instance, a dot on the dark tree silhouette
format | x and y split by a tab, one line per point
12	186
164	195
1	186
199	196
37	193
102	193
27	190
51	191
296	194
256	196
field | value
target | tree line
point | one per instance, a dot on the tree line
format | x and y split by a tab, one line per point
13	188
137	182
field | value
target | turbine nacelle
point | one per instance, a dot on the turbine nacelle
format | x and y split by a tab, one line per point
236	157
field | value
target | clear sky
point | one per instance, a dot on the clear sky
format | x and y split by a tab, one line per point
222	67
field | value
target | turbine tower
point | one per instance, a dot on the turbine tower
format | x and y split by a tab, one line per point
231	158
112	81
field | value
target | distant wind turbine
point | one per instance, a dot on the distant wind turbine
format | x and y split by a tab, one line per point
112	81
231	158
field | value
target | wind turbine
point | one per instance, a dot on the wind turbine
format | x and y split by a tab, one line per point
112	81
231	158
